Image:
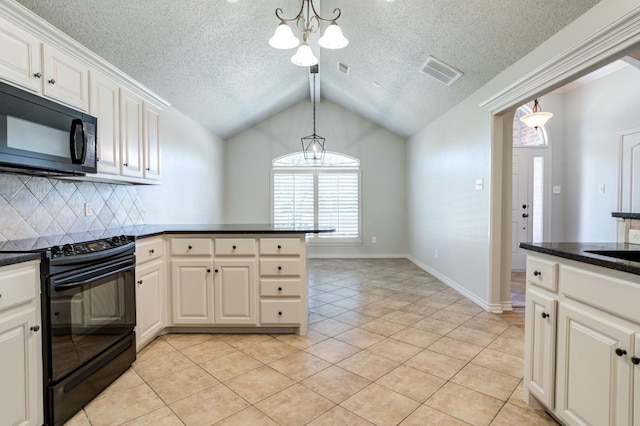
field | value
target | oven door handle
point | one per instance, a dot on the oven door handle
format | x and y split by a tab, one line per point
74	284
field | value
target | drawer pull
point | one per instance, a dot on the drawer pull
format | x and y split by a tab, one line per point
35	328
279	288
279	247
152	251
52	81
37	75
620	352
279	268
280	313
545	315
190	247
234	247
635	360
537	273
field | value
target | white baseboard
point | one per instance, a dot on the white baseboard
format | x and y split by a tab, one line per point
357	255
457	287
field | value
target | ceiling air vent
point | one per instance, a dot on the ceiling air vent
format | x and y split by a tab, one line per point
343	68
442	72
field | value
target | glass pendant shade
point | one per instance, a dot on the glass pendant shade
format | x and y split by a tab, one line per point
304	57
333	38
283	38
536	119
313	149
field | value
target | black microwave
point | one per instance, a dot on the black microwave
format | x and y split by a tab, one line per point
40	136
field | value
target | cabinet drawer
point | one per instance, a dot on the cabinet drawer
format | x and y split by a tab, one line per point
149	249
18	284
280	312
280	267
542	273
610	294
235	246
283	246
283	287
192	246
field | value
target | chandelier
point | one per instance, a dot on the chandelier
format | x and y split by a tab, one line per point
307	21
313	145
537	118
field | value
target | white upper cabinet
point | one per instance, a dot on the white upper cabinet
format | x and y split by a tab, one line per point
151	142
105	104
131	132
20	58
66	79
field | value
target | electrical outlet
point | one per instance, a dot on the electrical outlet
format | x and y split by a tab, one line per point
374	240
634	236
87	209
436	253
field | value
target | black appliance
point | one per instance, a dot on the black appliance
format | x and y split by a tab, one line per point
88	317
43	137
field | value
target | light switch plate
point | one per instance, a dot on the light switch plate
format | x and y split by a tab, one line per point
634	236
557	189
479	184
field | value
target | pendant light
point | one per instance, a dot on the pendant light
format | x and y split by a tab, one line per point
313	145
537	118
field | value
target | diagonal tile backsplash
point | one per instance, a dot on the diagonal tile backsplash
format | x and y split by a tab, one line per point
34	206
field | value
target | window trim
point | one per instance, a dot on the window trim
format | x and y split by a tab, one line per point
321	239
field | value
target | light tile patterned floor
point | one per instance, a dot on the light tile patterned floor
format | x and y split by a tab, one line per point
388	344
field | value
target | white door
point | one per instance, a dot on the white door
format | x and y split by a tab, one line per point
529	201
629	199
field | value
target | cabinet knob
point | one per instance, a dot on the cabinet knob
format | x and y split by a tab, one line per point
152	251
525	214
209	270
635	360
148	168
545	315
279	268
215	270
537	273
279	247
280	313
190	247
35	328
234	247
620	352
140	282
52	81
37	75
126	164
279	288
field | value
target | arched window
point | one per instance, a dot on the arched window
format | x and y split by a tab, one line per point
327	195
524	135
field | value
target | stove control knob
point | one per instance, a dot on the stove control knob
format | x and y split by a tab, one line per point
67	249
56	251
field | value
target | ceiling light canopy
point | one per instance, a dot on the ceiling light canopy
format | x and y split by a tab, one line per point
537	118
307	21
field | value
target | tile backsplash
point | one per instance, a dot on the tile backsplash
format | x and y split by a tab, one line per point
34	206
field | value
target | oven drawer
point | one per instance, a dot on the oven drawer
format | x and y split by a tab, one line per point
285	312
235	246
280	267
149	249
279	246
191	247
18	284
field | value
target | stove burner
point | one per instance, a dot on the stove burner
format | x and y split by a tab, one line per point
90	246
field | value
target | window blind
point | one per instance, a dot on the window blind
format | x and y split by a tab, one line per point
338	202
293	199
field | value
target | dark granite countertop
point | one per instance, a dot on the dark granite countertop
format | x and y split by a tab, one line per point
622	215
16	251
579	252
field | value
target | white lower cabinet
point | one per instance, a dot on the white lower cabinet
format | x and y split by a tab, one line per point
235	292
581	342
21	400
149	301
192	291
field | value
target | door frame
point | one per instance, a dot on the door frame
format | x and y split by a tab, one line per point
610	43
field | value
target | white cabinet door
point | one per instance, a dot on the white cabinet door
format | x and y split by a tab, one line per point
235	292
636	381
192	291
105	105
20	369
593	381
149	301
540	340
66	78
151	142
20	58
131	133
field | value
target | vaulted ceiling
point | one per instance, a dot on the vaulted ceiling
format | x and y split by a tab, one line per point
211	59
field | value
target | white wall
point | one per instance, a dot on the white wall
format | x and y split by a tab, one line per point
444	159
192	172
594	116
382	156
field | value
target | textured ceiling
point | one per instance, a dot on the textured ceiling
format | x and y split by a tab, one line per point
212	61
